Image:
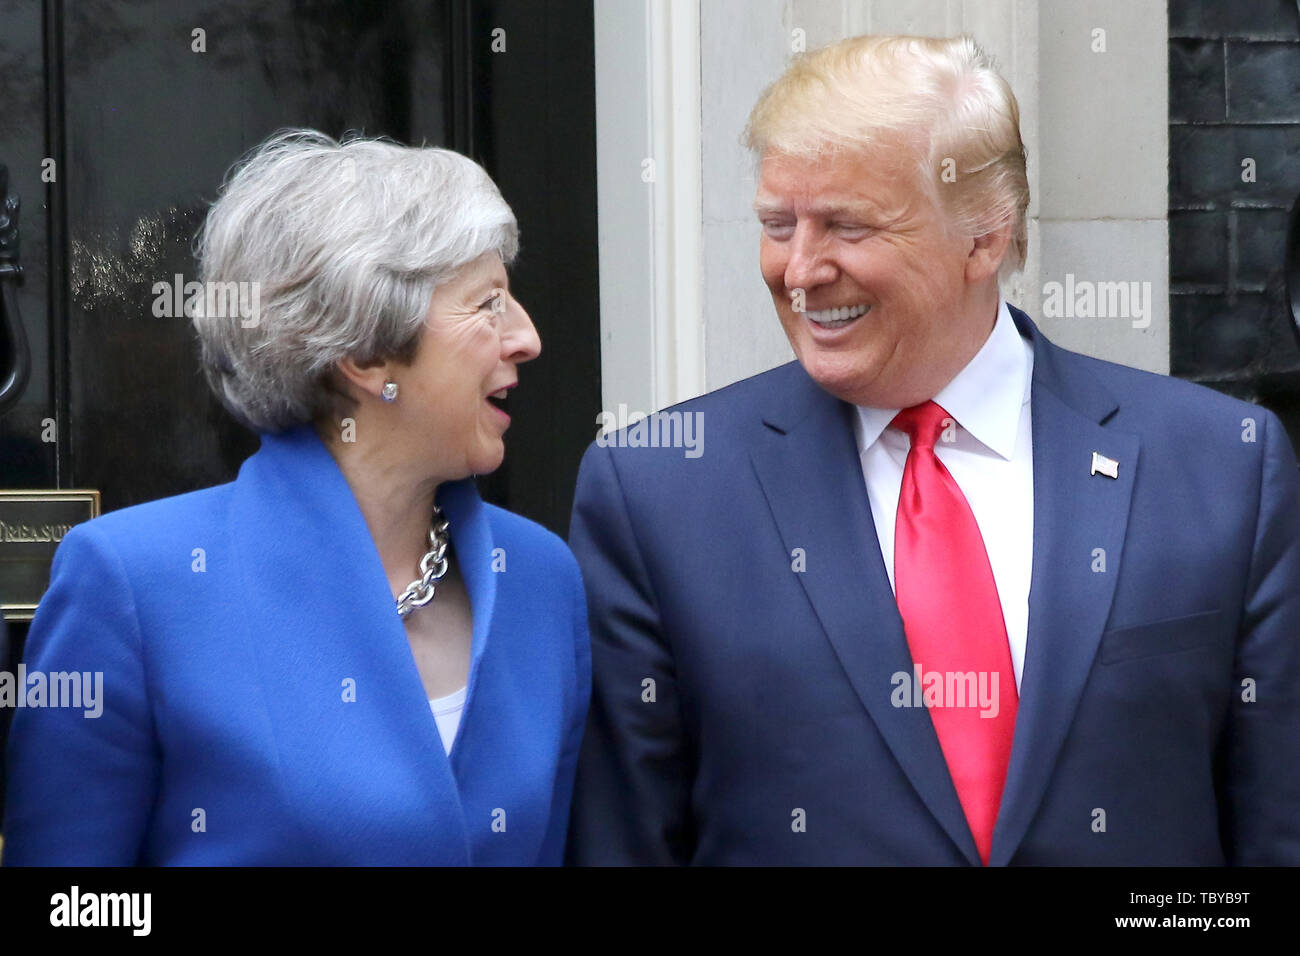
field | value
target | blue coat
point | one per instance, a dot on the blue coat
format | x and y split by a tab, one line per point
233	626
1159	716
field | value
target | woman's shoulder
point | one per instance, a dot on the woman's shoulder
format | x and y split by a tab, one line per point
544	577
145	528
511	531
123	567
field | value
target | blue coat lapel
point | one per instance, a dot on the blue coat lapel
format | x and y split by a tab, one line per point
1075	513
320	611
471	537
807	462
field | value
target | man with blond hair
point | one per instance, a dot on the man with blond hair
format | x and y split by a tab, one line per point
938	592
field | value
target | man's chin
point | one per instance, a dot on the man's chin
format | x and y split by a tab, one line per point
852	384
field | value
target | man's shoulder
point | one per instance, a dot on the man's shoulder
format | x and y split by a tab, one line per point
1165	405
1129	383
1187	432
705	434
725	410
748	395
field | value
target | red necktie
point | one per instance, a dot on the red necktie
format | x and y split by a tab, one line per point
953	620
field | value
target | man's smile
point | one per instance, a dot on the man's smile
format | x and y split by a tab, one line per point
837	318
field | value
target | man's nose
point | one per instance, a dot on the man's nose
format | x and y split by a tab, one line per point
809	264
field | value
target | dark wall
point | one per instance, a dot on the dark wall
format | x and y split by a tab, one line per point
1234	94
534	129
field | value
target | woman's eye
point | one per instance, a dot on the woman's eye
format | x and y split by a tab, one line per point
493	303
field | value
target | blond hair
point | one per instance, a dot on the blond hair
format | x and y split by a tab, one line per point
942	97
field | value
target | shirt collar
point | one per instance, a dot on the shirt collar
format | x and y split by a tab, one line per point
985	397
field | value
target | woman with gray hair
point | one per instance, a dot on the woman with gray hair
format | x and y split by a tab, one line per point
344	656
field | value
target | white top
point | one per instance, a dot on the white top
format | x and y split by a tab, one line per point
991	461
446	713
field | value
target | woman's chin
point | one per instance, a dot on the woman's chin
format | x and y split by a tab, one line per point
488	460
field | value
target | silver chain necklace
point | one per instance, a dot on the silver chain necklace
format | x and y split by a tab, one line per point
432	567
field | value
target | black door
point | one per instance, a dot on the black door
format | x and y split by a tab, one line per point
118	121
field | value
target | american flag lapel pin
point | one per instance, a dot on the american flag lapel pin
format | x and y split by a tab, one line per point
1101	465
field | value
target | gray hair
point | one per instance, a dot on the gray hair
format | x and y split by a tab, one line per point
345	242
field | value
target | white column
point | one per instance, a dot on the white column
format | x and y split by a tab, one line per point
649	201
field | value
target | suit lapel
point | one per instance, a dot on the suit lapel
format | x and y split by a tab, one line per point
807	463
1080	521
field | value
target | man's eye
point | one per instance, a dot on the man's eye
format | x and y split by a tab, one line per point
777	228
851	228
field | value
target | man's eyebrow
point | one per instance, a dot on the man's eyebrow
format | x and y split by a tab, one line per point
862	208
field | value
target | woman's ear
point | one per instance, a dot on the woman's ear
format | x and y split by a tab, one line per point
368	377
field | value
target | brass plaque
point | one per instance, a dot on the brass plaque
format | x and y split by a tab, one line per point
32	523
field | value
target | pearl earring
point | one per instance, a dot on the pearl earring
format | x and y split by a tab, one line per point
389	394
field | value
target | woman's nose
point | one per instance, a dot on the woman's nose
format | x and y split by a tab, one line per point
519	339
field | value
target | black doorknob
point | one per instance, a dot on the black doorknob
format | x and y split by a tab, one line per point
16	356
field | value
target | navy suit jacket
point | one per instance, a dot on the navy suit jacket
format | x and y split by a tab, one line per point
255	669
741	711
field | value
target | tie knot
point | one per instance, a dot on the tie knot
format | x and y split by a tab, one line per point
923	423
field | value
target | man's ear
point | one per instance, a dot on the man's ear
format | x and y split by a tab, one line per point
368	377
986	254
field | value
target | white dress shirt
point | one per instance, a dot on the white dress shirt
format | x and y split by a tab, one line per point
991	461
